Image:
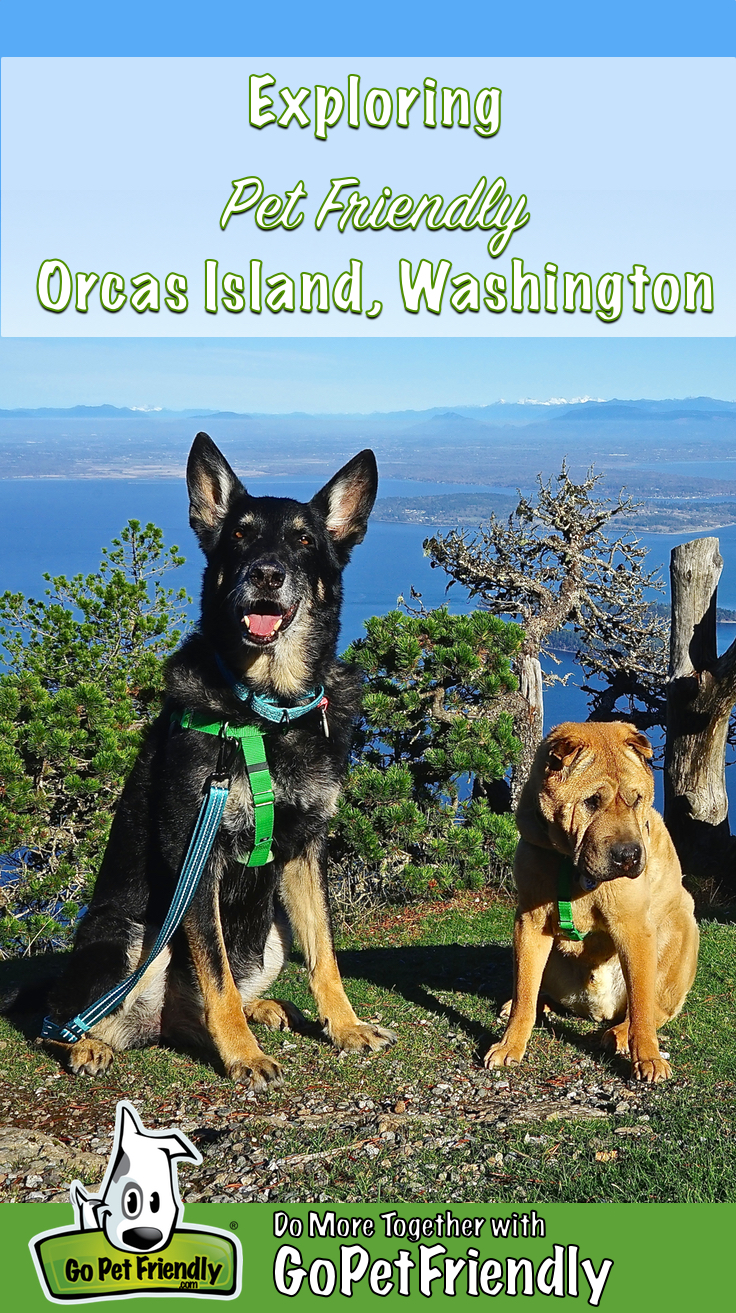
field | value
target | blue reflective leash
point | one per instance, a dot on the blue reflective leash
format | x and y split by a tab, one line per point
205	831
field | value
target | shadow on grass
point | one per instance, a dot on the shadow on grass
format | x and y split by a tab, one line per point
588	1042
24	986
722	913
419	972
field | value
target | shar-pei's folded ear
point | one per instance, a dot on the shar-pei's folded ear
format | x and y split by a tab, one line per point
563	748
638	743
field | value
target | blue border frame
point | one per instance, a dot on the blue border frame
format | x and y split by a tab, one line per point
472	27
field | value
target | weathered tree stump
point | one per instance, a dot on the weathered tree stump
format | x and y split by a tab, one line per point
529	719
701	692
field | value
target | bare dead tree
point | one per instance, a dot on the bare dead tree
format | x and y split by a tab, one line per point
631	665
700	697
554	563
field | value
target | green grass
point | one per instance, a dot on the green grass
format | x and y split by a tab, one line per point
380	1126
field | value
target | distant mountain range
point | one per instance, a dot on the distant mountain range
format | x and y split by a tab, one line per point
643	444
503	412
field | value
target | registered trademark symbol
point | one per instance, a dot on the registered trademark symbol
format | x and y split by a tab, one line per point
233	1226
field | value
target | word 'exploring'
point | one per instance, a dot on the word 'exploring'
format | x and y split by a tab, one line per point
377	108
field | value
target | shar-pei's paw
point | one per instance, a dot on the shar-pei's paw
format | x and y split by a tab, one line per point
504	1054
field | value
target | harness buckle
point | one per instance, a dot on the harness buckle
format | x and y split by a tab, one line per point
266	798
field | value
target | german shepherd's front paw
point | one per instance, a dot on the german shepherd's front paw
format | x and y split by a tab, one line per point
504	1055
257	1071
361	1037
89	1057
652	1070
275	1013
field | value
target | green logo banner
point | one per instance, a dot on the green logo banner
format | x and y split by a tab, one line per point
617	1257
76	1266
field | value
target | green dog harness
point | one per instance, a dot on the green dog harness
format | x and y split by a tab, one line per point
203	837
253	748
565	875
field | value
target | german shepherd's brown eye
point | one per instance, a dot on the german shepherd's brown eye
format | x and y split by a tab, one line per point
306	540
593	803
238	533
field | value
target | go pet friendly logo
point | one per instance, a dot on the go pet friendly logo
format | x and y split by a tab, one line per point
127	1240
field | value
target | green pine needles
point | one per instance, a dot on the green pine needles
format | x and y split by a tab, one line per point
83	679
410	821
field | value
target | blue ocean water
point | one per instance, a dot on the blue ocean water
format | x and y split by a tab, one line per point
59	526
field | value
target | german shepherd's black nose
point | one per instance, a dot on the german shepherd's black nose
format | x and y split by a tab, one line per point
626	858
266	574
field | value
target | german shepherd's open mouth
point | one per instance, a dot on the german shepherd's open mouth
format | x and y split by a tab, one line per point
263	621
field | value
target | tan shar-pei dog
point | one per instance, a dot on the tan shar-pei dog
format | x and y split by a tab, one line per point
604	926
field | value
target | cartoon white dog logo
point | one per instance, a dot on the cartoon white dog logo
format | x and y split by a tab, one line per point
138	1205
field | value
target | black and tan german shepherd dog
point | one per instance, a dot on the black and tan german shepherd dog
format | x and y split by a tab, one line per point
270	613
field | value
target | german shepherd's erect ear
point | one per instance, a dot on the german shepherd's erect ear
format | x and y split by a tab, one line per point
346	502
212	485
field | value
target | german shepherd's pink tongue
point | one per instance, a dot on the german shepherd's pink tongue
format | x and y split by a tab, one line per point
263	626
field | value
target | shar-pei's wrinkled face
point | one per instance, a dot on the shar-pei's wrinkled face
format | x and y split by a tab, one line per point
595	796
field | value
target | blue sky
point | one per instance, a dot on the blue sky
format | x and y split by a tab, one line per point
363	375
268	375
529	27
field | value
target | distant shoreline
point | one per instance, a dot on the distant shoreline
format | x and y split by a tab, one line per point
439	511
